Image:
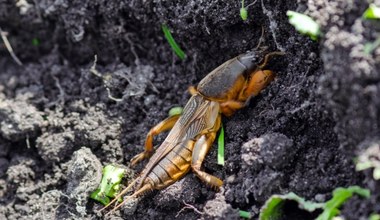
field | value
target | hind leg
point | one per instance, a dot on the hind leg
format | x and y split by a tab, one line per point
201	148
164	125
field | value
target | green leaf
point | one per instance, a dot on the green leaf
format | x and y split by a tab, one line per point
112	177
175	111
372	12
244	214
100	197
303	204
304	24
272	210
376	173
369	159
221	147
363	165
35	42
340	195
172	42
374	216
369	47
110	184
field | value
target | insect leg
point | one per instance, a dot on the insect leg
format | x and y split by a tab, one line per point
201	147
164	125
229	107
259	80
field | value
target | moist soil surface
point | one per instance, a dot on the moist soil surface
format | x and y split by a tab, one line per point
62	118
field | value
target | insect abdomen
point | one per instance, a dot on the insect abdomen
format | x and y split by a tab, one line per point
172	167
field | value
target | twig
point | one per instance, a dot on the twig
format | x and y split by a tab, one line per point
251	4
61	96
27	141
303	105
110	96
94	71
132	45
93	67
61	91
205	25
273	26
188	206
9	47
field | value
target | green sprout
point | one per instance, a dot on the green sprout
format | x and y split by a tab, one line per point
35	42
110	184
374	216
175	111
221	147
370	159
304	24
243	10
369	47
243	13
244	214
272	210
372	12
172	42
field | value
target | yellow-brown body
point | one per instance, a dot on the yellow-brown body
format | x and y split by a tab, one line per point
223	91
166	167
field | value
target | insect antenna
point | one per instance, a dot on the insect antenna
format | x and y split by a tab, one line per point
142	190
266	58
119	195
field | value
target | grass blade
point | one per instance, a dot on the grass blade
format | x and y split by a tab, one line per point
244	214
221	147
172	42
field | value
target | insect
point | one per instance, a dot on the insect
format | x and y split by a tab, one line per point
223	91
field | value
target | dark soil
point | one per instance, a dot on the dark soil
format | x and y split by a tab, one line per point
59	126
